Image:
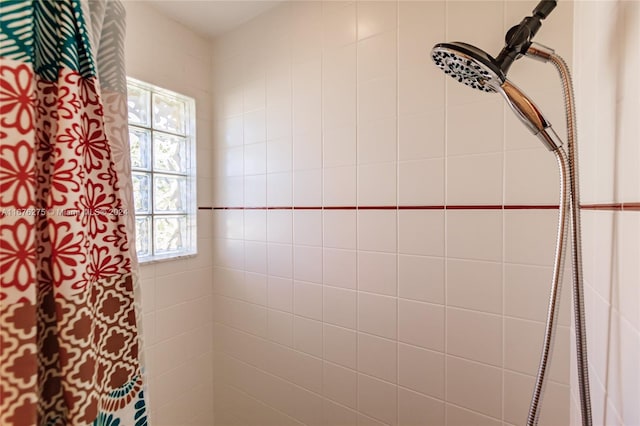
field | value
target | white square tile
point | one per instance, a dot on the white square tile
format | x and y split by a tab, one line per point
280	293
307	227
340	186
279	155
307	263
279	118
475	179
279	189
531	177
377	230
526	292
482	131
377	141
377	56
416	409
339	87
421	135
375	17
307	149
255	225
377	399
307	98
255	257
517	390
280	325
378	357
475	235
340	268
340	384
377	272
254	127
307	336
339	307
421	232
340	346
475	285
377	315
335	414
255	190
421	370
254	95
522	342
280	226
421	278
280	260
339	145
377	184
307	300
458	416
230	161
339	25
421	87
421	324
307	188
421	182
474	335
377	99
340	229
477	387
530	236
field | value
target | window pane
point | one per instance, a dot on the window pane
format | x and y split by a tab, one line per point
170	233
168	114
138	101
143	236
139	142
169	153
169	194
141	192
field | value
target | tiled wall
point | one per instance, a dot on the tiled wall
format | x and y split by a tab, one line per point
376	256
607	66
177	295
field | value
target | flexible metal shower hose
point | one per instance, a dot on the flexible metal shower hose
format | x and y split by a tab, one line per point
576	241
554	298
566	164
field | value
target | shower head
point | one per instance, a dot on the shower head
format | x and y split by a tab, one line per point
469	65
477	69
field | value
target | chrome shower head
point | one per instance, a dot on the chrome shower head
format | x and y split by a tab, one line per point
469	65
477	69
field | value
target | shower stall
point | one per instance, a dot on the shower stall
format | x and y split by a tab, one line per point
378	239
375	241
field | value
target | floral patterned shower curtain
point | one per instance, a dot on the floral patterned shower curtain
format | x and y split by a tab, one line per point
69	340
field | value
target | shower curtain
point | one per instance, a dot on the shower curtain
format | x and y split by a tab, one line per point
69	339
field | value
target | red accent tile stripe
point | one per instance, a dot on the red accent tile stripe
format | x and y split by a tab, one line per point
602	206
633	206
415	207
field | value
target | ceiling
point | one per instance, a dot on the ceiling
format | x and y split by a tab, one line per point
211	18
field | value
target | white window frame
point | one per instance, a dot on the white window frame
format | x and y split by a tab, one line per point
190	237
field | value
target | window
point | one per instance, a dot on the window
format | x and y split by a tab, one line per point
162	141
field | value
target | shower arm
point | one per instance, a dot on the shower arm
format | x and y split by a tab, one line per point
546	54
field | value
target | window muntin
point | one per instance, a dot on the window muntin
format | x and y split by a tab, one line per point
162	143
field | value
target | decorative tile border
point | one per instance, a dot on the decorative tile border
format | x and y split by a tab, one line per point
634	206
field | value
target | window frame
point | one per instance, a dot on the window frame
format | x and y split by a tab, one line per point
190	176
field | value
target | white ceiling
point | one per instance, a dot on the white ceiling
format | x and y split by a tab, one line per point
212	17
